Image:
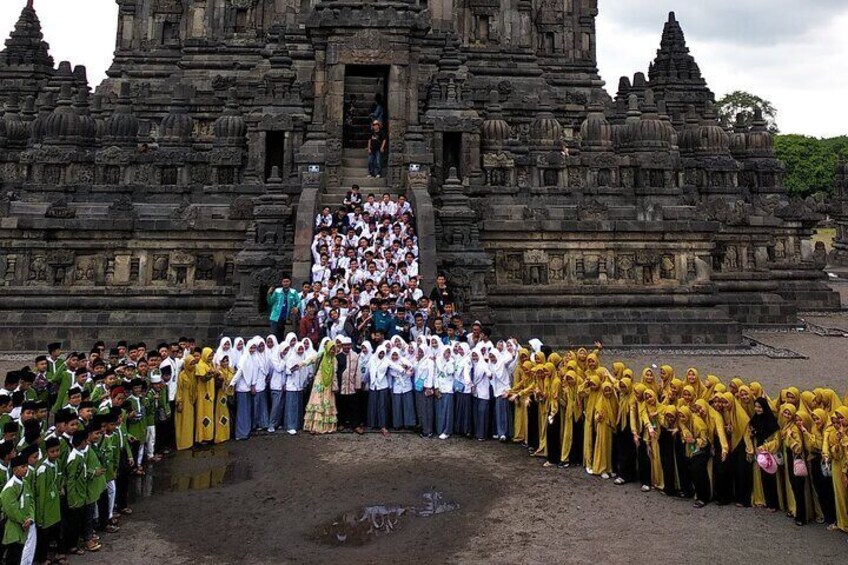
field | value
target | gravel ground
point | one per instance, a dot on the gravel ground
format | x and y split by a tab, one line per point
510	510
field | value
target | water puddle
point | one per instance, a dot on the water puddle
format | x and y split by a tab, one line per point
197	469
363	526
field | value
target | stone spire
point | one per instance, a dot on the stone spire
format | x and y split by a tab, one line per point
121	128
674	75
495	127
230	128
63	126
177	126
26	45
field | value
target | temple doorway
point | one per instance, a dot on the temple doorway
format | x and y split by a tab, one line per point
363	85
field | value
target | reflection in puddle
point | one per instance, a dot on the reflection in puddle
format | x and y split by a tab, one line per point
363	526
197	469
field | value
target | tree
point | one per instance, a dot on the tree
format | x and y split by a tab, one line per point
810	162
741	102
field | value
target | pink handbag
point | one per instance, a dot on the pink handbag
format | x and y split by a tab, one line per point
800	467
767	462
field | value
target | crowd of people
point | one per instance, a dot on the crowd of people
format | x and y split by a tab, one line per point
78	427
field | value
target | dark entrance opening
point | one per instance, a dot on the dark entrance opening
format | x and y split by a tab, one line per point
452	153
363	84
275	153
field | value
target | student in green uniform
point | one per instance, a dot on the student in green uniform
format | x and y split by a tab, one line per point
18	506
74	399
76	478
136	424
7	453
58	375
97	481
27	380
42	415
5	409
48	486
10	432
85	412
110	450
126	461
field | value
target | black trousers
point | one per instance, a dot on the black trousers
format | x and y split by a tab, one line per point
698	468
626	454
824	490
799	488
684	473
743	477
103	510
14	552
533	425
644	463
770	490
73	525
667	459
723	476
553	437
349	414
575	454
122	482
46	541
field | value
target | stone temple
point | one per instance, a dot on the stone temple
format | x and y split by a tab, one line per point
166	200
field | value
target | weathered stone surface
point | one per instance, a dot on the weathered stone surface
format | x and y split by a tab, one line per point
172	198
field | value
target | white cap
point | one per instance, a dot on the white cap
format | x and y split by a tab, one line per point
155	379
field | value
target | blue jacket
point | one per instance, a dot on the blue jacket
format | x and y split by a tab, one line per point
280	300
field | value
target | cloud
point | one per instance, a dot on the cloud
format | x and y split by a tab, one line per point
789	51
755	22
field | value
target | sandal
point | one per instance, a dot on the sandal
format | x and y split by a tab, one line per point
76	551
126	510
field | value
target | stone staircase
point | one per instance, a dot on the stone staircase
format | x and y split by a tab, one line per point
355	171
364	88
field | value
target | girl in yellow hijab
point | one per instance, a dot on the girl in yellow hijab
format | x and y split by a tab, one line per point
651	425
223	393
746	400
571	444
185	400
693	380
835	452
519	394
606	419
625	452
667	438
736	421
666	376
591	391
637	427
823	486
696	439
649	379
204	410
709	387
553	431
793	450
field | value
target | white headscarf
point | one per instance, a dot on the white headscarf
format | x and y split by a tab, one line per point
235	354
220	353
536	345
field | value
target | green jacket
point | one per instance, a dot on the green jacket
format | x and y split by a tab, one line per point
97	483
18	507
279	299
152	404
58	375
48	486
76	476
138	427
110	450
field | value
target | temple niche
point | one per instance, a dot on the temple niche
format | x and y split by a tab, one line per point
183	184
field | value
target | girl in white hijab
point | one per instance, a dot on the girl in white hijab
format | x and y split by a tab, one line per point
243	383
260	398
463	400
379	393
444	384
425	379
237	352
296	377
501	382
403	401
225	348
276	383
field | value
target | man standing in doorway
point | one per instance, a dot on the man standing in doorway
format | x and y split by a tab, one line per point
376	149
284	302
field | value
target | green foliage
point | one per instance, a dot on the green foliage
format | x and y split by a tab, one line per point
741	102
810	162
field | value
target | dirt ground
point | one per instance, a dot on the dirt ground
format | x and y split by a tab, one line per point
273	499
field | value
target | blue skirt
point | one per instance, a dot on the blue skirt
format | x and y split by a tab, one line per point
403	410
378	408
294	403
462	414
244	414
444	414
424	409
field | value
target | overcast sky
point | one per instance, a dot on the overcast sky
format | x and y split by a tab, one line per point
792	52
